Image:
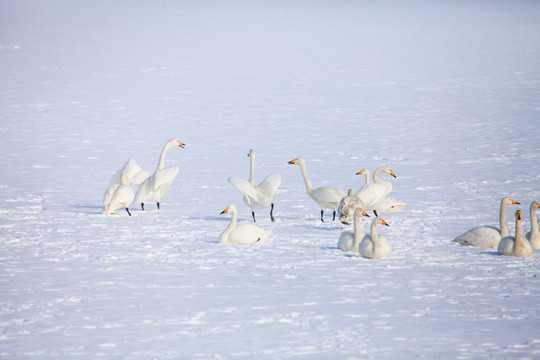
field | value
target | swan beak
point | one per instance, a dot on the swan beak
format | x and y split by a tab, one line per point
293	161
365	213
392	173
538	204
360	172
181	144
514	202
224	211
384	222
518	215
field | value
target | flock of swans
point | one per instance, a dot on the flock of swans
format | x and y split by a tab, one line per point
372	196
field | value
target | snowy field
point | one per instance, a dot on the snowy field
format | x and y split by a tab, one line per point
447	93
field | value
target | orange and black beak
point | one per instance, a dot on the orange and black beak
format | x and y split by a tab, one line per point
293	161
181	144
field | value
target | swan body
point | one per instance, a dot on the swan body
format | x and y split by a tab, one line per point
515	245
134	172
118	196
261	196
241	233
327	197
372	194
488	236
351	201
374	246
534	235
156	186
349	240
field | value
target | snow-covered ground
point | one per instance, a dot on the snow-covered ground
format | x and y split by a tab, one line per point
447	93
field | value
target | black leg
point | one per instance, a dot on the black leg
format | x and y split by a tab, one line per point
272	213
322	212
334	218
142	206
128	211
253	214
158	205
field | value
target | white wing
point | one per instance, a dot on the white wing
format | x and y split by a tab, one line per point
164	177
244	187
270	184
135	173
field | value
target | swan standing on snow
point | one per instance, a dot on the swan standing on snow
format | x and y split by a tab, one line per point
241	233
157	185
488	236
374	246
328	197
134	172
534	235
349	240
261	196
372	194
515	245
118	196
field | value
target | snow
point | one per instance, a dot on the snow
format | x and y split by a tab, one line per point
445	93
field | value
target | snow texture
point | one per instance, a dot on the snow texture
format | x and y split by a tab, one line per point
447	93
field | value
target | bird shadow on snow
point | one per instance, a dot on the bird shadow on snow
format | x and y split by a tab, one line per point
87	209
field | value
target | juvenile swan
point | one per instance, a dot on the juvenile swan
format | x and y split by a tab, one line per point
534	235
260	196
349	240
118	196
515	245
374	246
157	185
328	197
241	233
488	236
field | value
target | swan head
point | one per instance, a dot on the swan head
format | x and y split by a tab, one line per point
389	171
381	221
360	211
251	153
297	161
535	204
350	192
231	208
361	172
174	141
518	215
508	201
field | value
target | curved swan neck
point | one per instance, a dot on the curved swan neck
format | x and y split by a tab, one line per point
309	187
502	220
534	222
373	231
168	145
366	174
252	168
232	224
376	178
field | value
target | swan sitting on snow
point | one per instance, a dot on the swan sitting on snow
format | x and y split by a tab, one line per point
157	185
374	246
241	233
260	196
534	235
349	240
328	197
118	196
488	236
515	245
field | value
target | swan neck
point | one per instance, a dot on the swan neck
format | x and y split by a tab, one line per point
502	220
232	224
252	169
309	187
534	222
357	230
373	232
161	163
368	179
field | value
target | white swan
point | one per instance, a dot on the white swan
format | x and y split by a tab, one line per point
515	245
374	246
349	240
118	196
260	196
488	236
241	233
347	206
372	194
328	197
534	235
134	172
157	185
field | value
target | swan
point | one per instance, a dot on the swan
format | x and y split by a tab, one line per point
515	245
157	185
371	194
534	235
328	197
260	196
241	233
488	236
349	240
347	206
374	246
134	172
118	196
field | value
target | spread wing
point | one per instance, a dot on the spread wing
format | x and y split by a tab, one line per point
244	187
135	173
270	184
164	177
